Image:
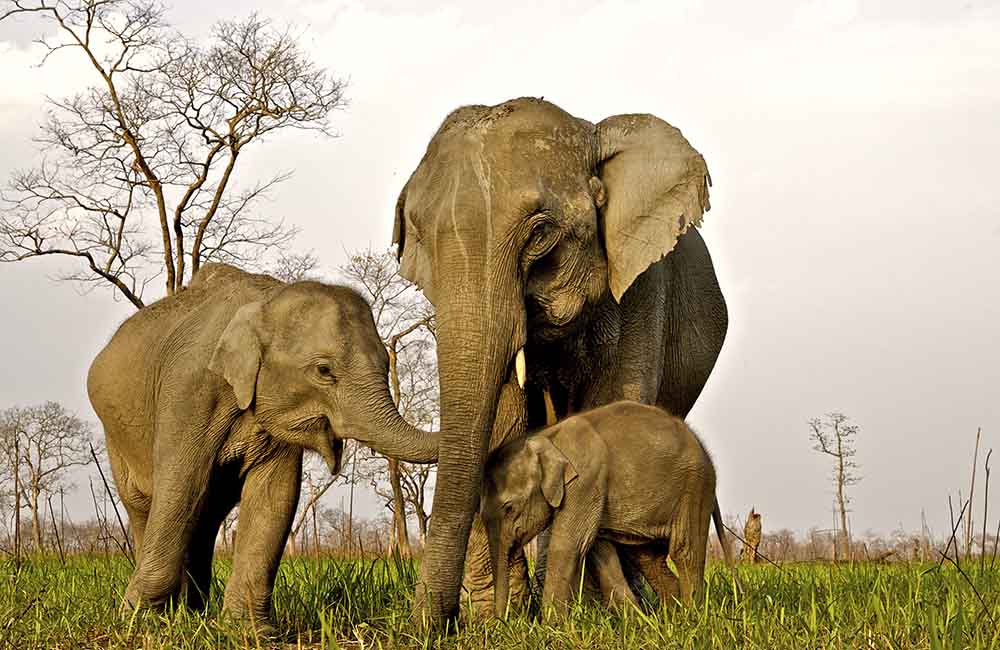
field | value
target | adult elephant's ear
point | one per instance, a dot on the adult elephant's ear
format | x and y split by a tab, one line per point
656	185
237	353
411	251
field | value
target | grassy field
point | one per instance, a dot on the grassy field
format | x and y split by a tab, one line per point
325	603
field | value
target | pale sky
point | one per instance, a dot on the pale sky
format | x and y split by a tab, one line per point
854	222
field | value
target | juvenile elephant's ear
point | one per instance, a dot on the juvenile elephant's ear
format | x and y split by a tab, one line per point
657	188
237	353
557	470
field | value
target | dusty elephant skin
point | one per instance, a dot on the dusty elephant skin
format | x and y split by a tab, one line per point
562	262
209	397
625	480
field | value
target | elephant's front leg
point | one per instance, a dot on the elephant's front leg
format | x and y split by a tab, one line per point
267	506
477	582
574	529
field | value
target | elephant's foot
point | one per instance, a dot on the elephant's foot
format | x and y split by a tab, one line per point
428	613
477	590
147	594
241	608
256	622
477	581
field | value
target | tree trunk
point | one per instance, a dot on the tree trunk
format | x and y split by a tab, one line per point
398	506
422	525
36	528
399	510
17	500
350	503
315	532
841	501
843	514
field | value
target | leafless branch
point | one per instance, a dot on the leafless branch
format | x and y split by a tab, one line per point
156	140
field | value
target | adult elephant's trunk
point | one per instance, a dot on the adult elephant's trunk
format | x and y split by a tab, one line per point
479	334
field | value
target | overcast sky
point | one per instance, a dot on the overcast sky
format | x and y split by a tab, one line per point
854	220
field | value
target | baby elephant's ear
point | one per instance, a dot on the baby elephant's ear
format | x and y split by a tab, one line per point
557	470
237	353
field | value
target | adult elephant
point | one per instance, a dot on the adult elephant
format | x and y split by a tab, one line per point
561	259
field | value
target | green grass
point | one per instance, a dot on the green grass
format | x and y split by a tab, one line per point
364	604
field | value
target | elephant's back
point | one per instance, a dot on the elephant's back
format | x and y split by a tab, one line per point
650	439
173	336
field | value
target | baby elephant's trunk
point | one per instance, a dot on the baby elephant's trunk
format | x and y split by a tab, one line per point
499	553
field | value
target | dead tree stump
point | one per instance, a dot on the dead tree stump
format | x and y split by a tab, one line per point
751	538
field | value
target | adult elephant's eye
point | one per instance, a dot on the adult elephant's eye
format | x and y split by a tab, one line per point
544	236
325	373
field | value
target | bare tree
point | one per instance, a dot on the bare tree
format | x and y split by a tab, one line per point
157	135
317	481
295	267
39	445
405	321
835	437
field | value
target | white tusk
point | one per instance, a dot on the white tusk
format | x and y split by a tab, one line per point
521	368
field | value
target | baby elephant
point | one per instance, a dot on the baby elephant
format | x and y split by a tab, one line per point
208	398
625	480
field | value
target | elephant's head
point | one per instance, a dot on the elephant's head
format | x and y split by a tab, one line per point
309	360
519	217
524	483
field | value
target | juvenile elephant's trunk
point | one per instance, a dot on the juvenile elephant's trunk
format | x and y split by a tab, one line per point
501	580
377	424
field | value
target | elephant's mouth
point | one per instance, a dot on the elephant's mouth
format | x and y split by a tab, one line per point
551	318
323	439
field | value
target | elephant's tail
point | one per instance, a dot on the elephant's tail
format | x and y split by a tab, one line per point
727	551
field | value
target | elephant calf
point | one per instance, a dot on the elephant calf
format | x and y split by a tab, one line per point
621	484
208	398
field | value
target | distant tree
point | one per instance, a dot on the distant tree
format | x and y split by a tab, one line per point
316	481
295	267
835	436
405	321
158	135
39	444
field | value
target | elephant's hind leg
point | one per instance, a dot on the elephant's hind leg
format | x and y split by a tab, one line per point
180	479
136	503
688	542
615	589
196	583
651	561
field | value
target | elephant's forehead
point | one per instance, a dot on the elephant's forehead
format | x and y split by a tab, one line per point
329	321
542	147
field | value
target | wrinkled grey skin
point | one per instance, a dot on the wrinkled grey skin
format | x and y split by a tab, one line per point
531	229
626	480
209	397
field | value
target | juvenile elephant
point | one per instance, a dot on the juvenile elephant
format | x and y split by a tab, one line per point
208	398
566	270
626	477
